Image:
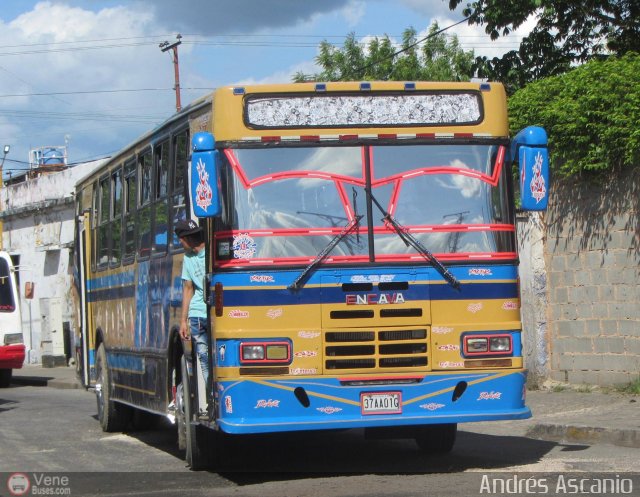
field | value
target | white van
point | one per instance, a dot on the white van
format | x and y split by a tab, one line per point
12	349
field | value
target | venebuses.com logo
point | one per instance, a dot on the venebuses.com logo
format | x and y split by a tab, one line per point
38	484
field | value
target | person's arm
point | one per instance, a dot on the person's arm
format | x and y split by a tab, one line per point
187	293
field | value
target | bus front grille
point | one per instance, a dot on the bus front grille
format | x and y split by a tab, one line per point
365	350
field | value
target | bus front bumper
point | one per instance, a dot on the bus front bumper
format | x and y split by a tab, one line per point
257	405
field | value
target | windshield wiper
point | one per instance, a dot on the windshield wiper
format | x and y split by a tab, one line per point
410	240
299	281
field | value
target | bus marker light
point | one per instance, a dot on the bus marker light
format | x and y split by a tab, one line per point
218	301
239	90
409	86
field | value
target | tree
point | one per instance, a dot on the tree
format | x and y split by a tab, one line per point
567	32
439	58
591	115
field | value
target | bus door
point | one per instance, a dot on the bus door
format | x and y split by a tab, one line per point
82	267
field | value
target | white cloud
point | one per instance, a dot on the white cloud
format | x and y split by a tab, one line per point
53	56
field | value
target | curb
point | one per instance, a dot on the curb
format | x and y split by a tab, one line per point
585	434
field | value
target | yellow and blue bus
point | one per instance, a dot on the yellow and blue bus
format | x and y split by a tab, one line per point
362	266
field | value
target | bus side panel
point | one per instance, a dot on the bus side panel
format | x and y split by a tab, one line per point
136	311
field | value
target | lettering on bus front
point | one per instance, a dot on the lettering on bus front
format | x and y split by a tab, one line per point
375	299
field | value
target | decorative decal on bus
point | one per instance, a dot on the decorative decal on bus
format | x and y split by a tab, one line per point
449	347
261	278
329	409
480	271
238	314
372	278
306	353
262	403
451	364
222	352
510	305
301	371
228	405
441	330
489	395
432	406
308	334
274	313
244	247
537	185
204	193
475	307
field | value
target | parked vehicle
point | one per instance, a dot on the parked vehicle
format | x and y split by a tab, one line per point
11	342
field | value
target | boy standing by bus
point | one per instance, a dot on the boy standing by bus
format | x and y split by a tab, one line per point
193	322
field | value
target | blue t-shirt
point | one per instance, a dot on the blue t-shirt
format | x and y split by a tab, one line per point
193	270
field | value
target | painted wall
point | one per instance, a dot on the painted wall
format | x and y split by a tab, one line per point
38	227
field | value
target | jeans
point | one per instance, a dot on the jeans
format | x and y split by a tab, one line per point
199	339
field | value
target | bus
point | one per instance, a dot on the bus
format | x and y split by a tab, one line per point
361	263
12	349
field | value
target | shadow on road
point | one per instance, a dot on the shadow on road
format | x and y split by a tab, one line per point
275	457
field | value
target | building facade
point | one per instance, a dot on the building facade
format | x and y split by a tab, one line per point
38	231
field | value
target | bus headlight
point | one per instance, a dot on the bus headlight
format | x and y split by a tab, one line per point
487	344
265	352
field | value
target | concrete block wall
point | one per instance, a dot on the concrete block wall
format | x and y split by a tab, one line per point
592	257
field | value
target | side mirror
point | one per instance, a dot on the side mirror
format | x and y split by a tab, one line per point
205	197
533	160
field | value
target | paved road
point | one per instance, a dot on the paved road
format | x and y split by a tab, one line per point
56	431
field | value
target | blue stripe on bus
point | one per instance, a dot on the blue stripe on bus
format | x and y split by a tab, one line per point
363	275
328	295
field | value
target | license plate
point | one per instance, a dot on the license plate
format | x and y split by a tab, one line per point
381	403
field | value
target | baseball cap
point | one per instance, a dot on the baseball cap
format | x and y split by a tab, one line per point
186	227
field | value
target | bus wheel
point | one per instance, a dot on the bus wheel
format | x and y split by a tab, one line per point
5	377
197	438
112	415
437	439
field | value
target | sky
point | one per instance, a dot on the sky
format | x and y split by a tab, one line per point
90	74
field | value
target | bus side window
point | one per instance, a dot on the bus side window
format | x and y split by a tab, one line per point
115	232
130	199
104	211
144	212
161	188
179	165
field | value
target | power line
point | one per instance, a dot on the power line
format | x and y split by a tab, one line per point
85	92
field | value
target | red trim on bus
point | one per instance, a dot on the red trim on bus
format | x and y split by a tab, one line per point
12	356
335	230
283	261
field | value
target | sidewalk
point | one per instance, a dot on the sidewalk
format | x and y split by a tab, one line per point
565	416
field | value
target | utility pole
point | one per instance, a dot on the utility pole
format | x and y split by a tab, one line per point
4	156
165	46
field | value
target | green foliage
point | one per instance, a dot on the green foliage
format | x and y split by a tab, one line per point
591	115
438	58
566	32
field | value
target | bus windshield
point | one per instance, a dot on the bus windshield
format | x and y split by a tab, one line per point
287	203
7	303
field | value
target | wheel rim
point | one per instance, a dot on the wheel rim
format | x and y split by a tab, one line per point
180	415
99	392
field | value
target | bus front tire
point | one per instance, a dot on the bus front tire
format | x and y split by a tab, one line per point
198	440
437	439
112	415
5	377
